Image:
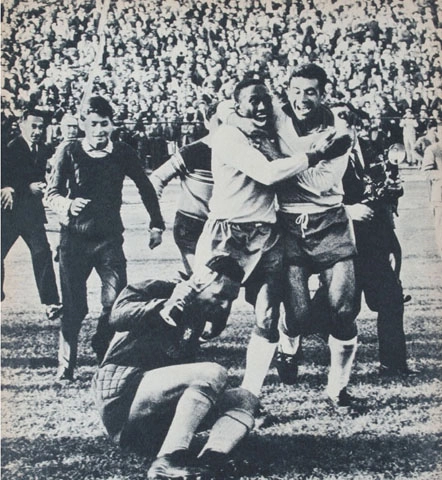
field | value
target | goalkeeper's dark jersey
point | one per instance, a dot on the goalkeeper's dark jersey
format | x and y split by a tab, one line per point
143	339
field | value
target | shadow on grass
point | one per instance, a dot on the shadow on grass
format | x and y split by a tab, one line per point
361	454
41	362
269	456
68	459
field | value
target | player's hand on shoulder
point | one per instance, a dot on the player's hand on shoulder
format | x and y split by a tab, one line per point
332	144
268	147
78	205
37	188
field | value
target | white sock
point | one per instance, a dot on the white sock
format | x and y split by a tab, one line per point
229	430
192	407
259	355
288	344
342	354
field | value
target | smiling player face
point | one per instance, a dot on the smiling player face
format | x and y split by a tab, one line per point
97	130
304	96
255	102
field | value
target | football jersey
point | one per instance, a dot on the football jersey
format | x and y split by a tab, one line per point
193	162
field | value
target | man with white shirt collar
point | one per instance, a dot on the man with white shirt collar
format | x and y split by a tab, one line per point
23	182
85	189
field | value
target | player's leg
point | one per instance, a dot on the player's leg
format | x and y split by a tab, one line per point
297	306
340	283
110	264
236	407
75	268
264	338
263	291
186	232
187	393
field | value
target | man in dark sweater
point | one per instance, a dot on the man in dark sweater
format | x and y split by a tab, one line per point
23	215
85	189
150	391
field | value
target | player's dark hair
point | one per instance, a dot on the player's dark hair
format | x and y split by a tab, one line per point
226	265
98	105
432	123
246	82
311	71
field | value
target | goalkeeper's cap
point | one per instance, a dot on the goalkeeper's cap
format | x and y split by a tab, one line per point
226	265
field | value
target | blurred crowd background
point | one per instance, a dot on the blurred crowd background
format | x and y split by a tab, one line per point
161	62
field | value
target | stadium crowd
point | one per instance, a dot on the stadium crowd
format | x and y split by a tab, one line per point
159	63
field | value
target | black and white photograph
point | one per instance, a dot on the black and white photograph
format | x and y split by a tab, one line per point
221	238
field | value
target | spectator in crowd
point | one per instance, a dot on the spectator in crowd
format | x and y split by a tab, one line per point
85	190
432	165
69	127
409	125
152	393
401	53
429	138
23	215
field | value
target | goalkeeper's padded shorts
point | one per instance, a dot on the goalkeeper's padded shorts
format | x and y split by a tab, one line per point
114	388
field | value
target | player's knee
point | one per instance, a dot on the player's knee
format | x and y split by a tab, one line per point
241	401
345	310
343	328
269	332
213	379
266	325
295	324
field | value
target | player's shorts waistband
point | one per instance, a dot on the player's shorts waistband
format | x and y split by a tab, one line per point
305	208
249	225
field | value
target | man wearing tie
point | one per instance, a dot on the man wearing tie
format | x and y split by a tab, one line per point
23	215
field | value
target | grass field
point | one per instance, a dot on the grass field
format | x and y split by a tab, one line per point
51	431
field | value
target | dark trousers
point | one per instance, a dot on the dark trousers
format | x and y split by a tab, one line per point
34	235
383	294
78	256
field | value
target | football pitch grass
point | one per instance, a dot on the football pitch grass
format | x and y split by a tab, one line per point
50	430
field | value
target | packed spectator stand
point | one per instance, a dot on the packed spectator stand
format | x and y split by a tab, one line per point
161	62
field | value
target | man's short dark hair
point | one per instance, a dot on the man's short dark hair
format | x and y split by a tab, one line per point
226	265
33	112
98	105
211	110
246	82
311	71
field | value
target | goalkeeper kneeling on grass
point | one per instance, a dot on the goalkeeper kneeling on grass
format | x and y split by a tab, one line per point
150	392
